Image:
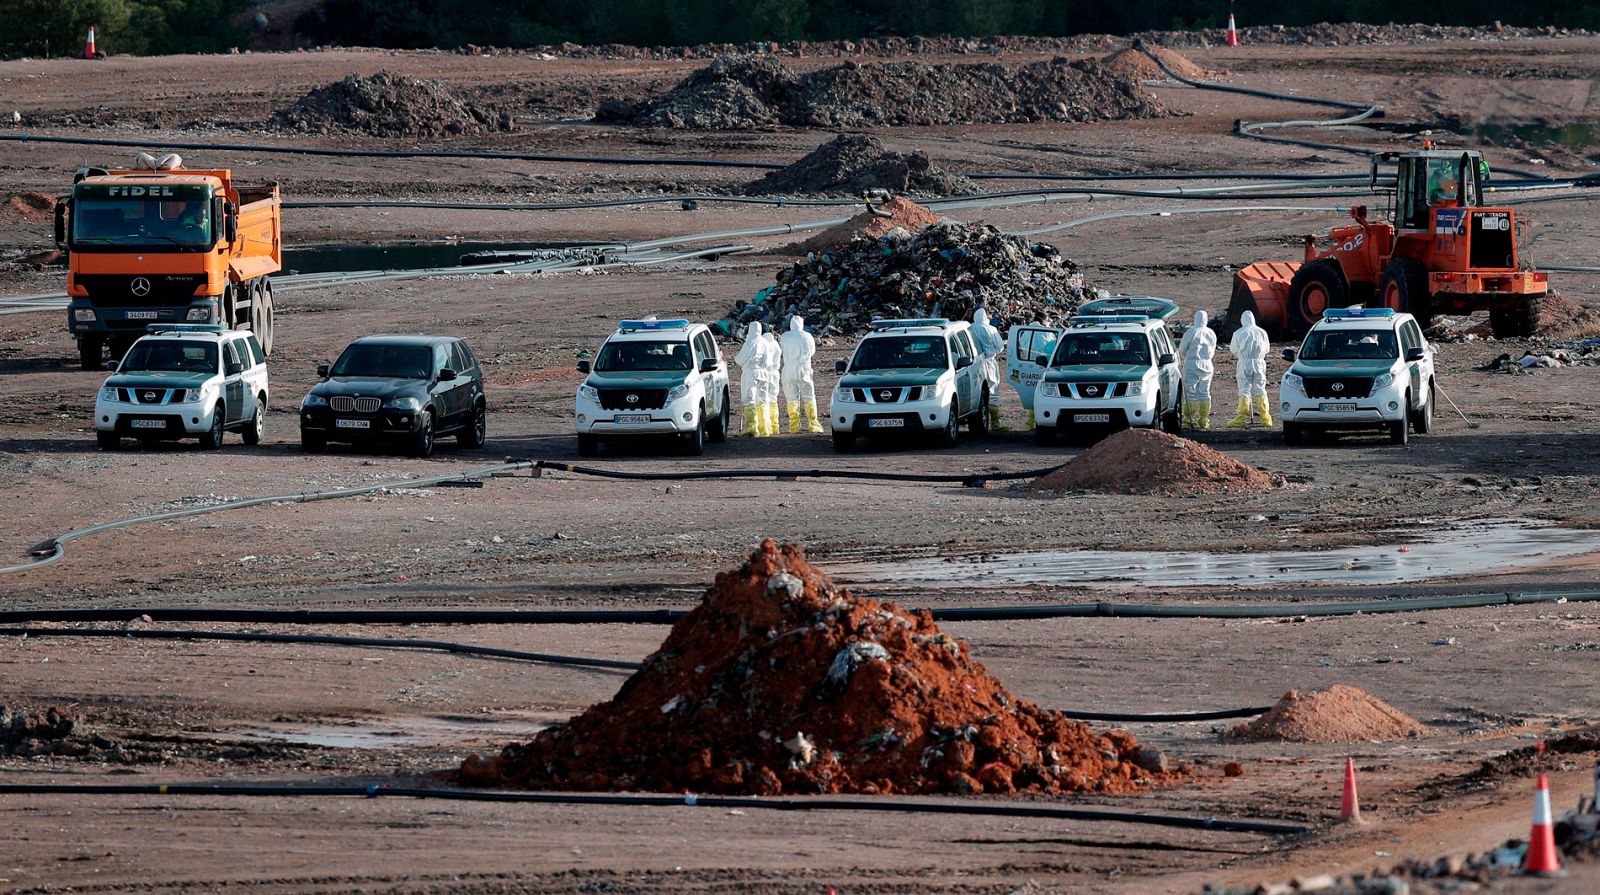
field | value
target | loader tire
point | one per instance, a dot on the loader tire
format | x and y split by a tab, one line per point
1405	289
1519	322
1317	286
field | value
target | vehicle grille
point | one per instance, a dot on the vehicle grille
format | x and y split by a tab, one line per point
345	404
147	395
116	290
1338	386
633	398
894	395
1094	389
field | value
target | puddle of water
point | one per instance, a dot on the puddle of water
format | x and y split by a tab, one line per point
392	732
395	256
1576	135
1453	549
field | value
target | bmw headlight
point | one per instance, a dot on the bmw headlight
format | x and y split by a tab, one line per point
315	400
1383	381
108	394
589	393
1293	382
677	392
406	403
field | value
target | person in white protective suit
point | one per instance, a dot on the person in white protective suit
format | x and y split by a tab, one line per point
799	388
990	347
769	369
750	358
1249	346
1197	348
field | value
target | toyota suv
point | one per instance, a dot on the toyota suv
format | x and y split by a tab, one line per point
1113	367
408	389
1359	368
654	377
183	381
910	376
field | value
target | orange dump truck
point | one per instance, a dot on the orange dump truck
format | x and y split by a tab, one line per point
161	244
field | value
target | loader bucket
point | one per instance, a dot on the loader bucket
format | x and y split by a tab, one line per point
1263	287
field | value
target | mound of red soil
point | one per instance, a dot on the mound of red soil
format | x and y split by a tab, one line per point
1133	63
31	207
1339	714
904	214
1562	318
778	682
1145	461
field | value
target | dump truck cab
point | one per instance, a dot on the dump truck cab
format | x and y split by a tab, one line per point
166	245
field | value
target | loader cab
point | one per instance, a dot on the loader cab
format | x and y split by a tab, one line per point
1436	179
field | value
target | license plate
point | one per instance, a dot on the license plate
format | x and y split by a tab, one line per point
895	423
1091	417
141	315
147	424
352	424
1337	408
625	418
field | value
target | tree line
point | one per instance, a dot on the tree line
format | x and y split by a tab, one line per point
57	27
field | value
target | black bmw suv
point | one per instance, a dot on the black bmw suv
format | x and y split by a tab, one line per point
410	389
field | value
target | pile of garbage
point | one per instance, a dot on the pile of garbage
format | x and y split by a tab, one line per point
851	164
1337	714
1584	353
1145	461
389	105
779	682
748	91
947	270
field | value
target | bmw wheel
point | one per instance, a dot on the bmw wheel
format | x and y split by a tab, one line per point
422	440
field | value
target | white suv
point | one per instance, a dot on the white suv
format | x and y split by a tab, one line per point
181	381
1108	371
654	377
1359	368
910	376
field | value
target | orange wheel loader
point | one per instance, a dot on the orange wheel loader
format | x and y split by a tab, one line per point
1444	252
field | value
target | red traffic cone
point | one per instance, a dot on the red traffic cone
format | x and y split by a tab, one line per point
1350	805
88	45
1542	859
1233	31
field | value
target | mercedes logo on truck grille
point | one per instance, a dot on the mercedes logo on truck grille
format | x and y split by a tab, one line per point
140	287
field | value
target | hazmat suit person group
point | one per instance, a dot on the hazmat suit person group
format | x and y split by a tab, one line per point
759	361
1249	348
1197	347
799	388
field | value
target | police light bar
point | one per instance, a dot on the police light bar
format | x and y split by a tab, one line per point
652	324
904	324
1343	313
1148	305
1095	319
185	328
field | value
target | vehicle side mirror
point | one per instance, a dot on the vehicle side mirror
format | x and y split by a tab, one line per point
230	218
963	362
840	366
447	375
708	365
1288	355
233	370
112	365
1416	354
323	370
1166	360
1042	360
62	207
584	367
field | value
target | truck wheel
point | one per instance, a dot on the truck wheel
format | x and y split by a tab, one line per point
108	441
694	443
1292	434
90	348
588	445
718	430
265	337
258	423
1400	429
1045	435
1404	288
211	439
1172	421
422	441
951	433
1422	419
1317	286
844	442
476	432
978	423
258	314
1518	322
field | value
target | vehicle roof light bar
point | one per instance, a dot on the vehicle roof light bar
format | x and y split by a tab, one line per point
908	323
1349	313
651	323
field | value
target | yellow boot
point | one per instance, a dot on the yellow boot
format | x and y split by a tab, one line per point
794	418
1202	414
1265	409
1031	422
1187	416
996	423
813	424
1242	418
772	418
752	423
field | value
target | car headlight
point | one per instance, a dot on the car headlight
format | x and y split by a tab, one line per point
315	400
199	314
1293	382
108	394
1050	390
844	396
677	392
1135	388
407	403
589	393
1384	381
191	395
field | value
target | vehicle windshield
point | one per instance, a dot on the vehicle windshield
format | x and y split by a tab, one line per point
638	356
1356	344
1080	348
387	361
901	352
170	356
182	222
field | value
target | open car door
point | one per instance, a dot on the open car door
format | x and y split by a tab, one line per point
1028	350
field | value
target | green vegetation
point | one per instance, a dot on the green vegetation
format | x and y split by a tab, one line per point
141	27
